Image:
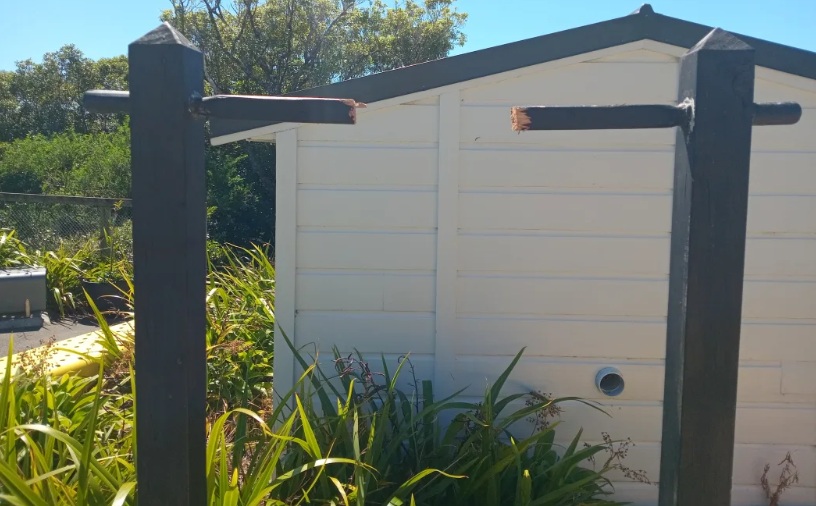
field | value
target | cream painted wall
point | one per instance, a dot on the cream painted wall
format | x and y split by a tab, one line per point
431	228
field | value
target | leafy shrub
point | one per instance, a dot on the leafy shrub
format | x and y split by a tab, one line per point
114	263
69	263
239	212
347	435
63	268
337	438
240	323
63	275
69	163
65	440
481	456
12	250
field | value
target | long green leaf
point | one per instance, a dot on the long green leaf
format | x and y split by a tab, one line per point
123	493
499	384
308	433
409	485
90	438
525	488
75	448
314	465
260	474
7	391
359	479
18	487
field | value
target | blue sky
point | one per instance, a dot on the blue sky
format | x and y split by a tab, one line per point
105	27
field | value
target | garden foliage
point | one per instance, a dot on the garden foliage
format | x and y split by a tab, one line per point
349	432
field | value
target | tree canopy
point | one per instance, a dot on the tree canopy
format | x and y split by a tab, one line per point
45	98
50	144
278	46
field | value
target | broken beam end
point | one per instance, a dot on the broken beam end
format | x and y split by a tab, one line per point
519	119
354	105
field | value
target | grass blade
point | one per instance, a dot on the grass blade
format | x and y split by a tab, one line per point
13	483
123	493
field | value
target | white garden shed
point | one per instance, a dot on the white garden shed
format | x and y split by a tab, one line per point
431	227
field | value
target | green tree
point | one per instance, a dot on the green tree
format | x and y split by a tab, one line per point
68	163
46	97
238	212
280	46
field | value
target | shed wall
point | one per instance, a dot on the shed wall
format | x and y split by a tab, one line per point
463	240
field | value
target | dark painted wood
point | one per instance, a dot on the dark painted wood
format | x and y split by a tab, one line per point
244	107
706	273
299	109
106	101
597	117
606	117
778	113
169	230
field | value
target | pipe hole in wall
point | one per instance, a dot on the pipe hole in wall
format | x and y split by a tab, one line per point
609	381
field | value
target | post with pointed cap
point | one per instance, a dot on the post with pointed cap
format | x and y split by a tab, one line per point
706	272
169	233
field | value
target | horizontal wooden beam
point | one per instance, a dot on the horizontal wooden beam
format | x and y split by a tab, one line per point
596	117
63	199
627	117
244	107
777	113
106	101
282	109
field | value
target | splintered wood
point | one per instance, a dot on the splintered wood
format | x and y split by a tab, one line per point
354	106
519	119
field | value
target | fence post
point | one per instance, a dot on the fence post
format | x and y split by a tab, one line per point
706	272
169	230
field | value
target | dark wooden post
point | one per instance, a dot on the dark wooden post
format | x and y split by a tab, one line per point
706	272
169	231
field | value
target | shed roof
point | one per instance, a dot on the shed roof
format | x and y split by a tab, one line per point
643	23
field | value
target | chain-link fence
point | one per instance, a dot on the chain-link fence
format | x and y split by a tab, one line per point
48	221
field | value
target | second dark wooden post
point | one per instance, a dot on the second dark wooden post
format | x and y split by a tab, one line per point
706	272
169	231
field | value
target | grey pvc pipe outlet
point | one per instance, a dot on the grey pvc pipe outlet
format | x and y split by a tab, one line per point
609	381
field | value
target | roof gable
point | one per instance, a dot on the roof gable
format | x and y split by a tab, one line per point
644	23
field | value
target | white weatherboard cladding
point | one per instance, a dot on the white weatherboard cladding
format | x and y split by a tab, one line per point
431	228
